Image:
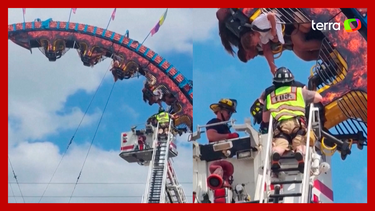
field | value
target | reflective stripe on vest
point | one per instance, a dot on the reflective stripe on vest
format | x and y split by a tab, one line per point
162	117
286	102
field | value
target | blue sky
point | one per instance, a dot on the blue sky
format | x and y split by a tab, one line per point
48	99
219	75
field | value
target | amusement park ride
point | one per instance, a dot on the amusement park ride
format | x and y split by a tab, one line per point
239	170
235	170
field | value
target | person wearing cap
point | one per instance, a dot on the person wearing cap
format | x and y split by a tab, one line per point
223	110
287	105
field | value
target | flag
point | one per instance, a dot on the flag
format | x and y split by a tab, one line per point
24	10
158	24
113	14
74	10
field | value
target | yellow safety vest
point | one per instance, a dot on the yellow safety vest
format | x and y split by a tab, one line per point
286	102
162	117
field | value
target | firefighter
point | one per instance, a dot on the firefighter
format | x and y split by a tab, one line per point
163	119
223	111
256	109
287	105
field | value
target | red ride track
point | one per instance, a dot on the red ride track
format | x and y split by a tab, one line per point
29	34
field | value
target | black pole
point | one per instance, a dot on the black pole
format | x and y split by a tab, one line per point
70	14
23	15
110	18
146	38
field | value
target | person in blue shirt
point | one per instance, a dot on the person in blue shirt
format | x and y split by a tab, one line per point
223	111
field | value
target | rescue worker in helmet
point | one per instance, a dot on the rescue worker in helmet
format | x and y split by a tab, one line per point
287	105
223	110
256	109
163	119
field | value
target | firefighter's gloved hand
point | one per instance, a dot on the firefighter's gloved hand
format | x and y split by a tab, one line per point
256	111
232	135
263	129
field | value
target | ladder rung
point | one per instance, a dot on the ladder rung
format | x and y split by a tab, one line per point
287	157
285	195
257	201
287	169
286	182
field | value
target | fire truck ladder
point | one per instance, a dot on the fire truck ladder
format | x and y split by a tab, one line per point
305	187
174	190
156	182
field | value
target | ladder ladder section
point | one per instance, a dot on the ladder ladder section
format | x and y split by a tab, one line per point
305	181
174	189
156	181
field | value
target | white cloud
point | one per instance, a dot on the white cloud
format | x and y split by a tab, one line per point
205	22
104	173
130	110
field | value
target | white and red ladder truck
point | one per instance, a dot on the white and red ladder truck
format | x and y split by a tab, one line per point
148	147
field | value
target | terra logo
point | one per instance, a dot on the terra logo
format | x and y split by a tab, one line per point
347	26
336	26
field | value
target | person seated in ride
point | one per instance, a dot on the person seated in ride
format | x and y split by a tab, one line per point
171	101
246	55
265	28
305	42
169	98
287	106
148	96
152	96
223	111
163	118
158	96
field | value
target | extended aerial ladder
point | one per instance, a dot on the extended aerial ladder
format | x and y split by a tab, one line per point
162	185
175	193
297	186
